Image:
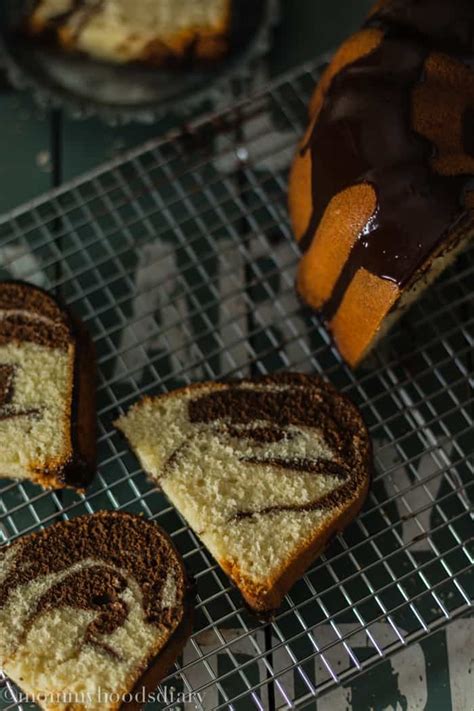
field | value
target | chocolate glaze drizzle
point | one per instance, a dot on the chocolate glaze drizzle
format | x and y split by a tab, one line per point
364	134
7	392
290	400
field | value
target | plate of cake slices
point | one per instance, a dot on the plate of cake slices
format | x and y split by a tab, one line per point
130	60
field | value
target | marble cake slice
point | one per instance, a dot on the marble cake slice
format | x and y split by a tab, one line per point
265	471
88	607
156	32
47	391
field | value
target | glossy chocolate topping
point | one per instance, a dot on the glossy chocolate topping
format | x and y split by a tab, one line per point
262	410
134	546
364	133
29	314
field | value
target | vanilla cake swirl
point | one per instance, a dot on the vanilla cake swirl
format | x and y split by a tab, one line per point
47	411
86	605
242	461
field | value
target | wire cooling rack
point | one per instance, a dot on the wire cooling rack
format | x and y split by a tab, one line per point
180	260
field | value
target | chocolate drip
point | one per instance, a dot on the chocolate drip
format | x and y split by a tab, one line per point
364	134
122	540
7	391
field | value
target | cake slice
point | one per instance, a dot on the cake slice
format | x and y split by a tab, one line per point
150	31
47	394
86	606
381	190
265	471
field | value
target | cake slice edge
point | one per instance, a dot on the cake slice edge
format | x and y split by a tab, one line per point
265	594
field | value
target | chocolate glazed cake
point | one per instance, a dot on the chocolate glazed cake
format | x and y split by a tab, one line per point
242	461
381	191
85	607
47	391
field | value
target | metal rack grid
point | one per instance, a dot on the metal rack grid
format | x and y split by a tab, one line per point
180	260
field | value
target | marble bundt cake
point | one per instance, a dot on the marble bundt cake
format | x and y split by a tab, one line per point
151	31
265	471
47	408
381	190
86	606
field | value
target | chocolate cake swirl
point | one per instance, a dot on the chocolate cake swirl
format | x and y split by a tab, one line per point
386	166
7	393
112	579
47	417
240	460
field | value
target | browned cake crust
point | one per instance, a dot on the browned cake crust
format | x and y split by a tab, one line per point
131	544
381	187
31	315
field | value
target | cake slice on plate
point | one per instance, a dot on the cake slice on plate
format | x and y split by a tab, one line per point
151	31
47	393
265	471
87	606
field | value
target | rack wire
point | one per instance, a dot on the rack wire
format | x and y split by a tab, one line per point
180	260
